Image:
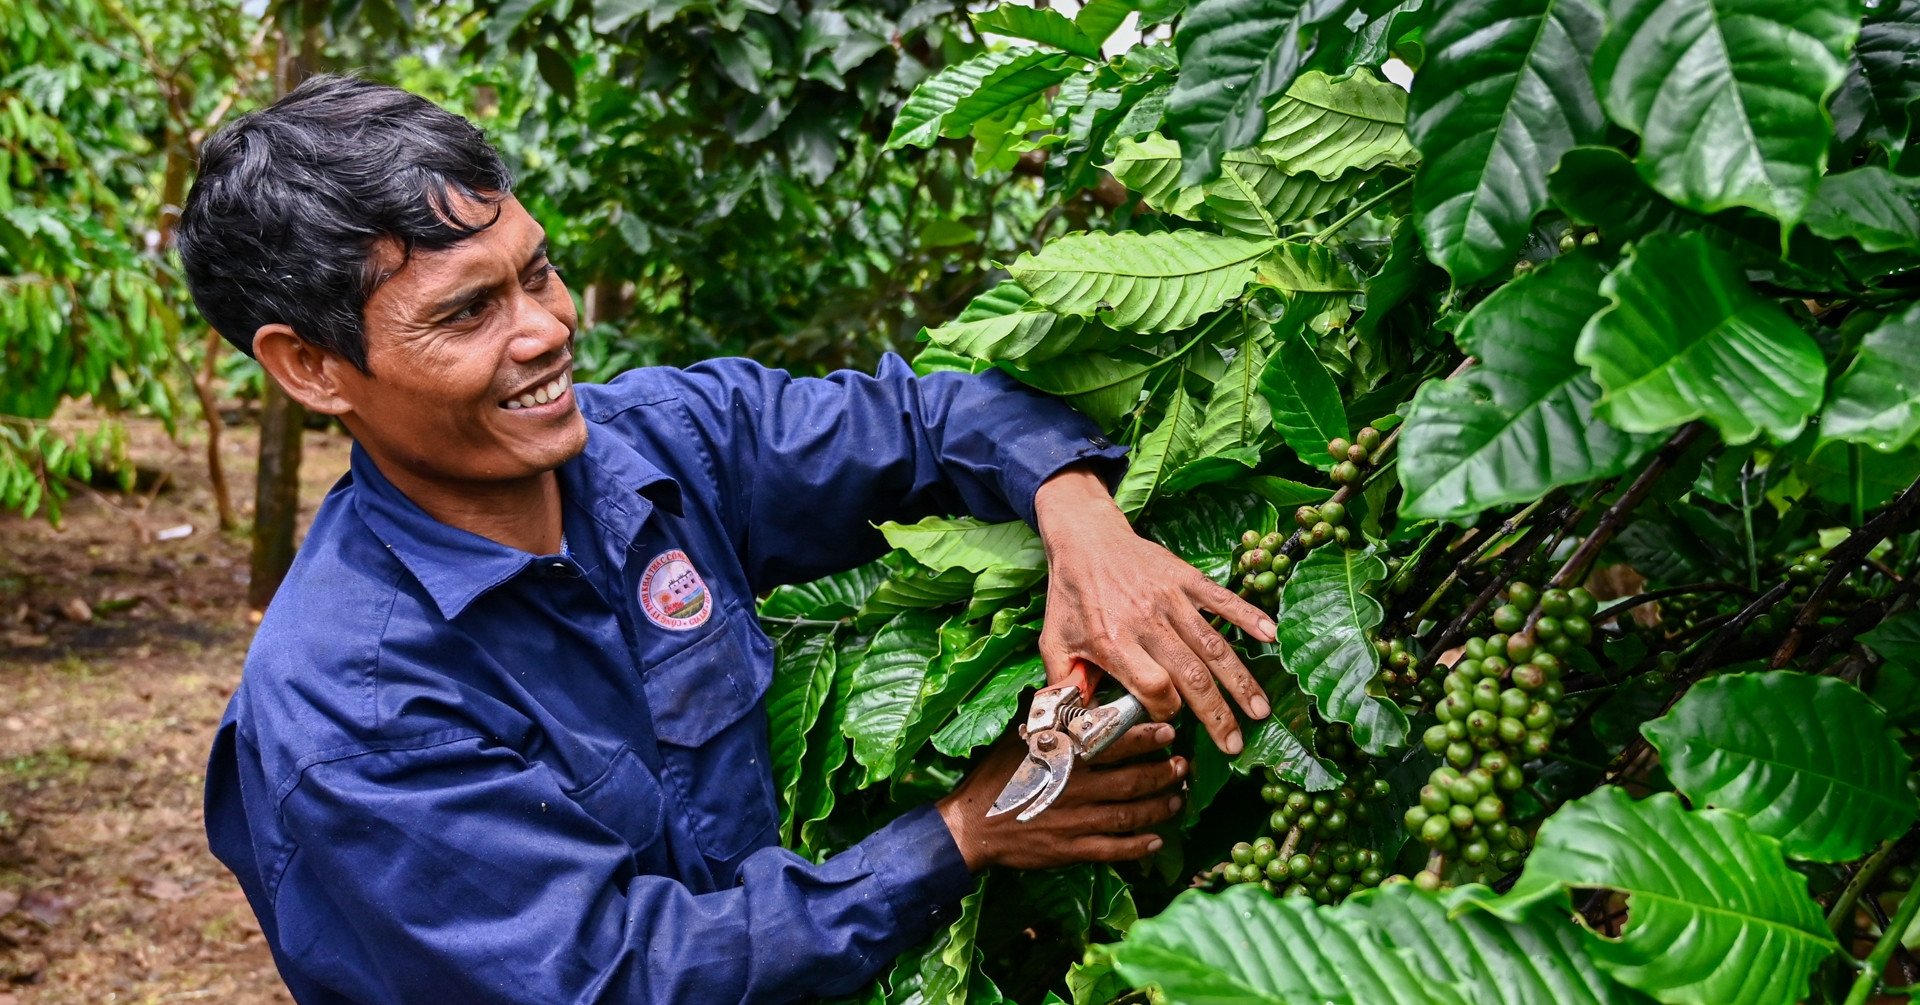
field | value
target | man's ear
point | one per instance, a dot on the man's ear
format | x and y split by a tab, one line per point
309	374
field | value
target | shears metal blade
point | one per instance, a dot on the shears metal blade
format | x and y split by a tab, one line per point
1060	730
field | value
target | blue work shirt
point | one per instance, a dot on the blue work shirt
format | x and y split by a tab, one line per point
458	772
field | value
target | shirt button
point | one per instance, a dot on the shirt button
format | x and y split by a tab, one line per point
1100	441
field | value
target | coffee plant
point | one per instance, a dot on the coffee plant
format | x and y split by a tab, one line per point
1562	409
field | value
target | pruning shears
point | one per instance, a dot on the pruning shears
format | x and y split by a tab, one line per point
1060	729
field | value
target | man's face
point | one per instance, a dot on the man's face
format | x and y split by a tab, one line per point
471	352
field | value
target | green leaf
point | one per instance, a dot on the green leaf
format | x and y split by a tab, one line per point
1872	205
887	690
1521	422
1099	19
826	756
1539	958
1728	96
1279	741
1236	414
1896	687
803	675
1205	528
1503	93
1598	187
1105	387
1151	167
1735	924
1004	324
1160	452
1285	493
1889	36
941	543
1805	759
1686	338
966	663
1325	620
1045	26
1139	282
827	598
1304	400
984	716
951	101
1244	946
1256	196
1329	126
1897	639
1305	267
1234	55
1229	464
1877	401
914	589
947	965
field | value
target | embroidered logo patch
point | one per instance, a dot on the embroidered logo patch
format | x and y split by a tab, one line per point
673	594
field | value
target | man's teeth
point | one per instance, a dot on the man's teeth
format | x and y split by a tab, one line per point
551	391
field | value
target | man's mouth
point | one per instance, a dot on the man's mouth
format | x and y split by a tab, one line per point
550	391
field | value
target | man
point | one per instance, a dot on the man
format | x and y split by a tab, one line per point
501	734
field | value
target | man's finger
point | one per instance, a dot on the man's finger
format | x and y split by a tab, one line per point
1224	602
1131	782
1141	739
1143	676
1226	666
1105	848
1123	818
1195	682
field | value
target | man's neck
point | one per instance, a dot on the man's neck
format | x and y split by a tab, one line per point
523	514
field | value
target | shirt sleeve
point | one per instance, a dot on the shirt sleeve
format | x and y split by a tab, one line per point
458	871
811	464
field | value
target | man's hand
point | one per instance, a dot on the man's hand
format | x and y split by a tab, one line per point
1096	819
1133	608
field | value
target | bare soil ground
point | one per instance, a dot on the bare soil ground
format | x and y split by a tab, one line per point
118	650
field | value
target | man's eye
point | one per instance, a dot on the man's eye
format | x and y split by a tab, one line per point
468	313
542	275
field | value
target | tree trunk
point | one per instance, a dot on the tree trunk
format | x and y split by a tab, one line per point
276	497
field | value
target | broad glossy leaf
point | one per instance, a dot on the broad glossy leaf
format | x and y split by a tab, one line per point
1236	414
1598	187
1373	42
1686	338
826	598
1889	37
952	101
1005	324
1278	742
1714	913
1140	282
941	543
1099	19
967	661
1285	493
1160	452
1728	96
1896	687
1104	386
1536	959
1304	400
1305	267
1325	621
1234	55
1877	401
1521	422
1226	465
946	966
887	690
1151	166
1806	759
1206	526
1043	25
1329	126
827	752
1872	205
1256	196
1503	93
1244	946
803	674
985	715
914	589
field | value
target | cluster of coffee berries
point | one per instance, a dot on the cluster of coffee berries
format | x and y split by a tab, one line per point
1259	566
1499	709
1576	238
1350	457
1322	523
1328	874
1400	673
1310	852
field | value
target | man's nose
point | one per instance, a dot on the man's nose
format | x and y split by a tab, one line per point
537	331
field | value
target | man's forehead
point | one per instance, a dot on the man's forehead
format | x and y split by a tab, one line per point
513	236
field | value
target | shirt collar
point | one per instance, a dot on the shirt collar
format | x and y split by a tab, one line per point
609	479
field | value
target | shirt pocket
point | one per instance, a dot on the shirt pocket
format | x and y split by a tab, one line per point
626	800
707	708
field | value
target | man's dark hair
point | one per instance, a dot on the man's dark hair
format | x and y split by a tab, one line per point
291	200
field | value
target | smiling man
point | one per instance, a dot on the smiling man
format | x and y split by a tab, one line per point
501	735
